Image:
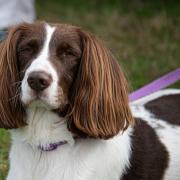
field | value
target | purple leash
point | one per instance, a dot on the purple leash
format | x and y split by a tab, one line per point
156	85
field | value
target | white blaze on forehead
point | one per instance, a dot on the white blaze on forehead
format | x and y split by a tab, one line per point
38	64
45	51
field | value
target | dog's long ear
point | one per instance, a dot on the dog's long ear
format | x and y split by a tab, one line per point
11	111
100	94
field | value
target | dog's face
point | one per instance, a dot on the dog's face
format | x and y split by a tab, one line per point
48	64
66	70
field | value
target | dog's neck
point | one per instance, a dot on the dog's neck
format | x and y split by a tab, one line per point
44	127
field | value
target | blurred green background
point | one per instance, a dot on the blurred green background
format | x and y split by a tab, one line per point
144	35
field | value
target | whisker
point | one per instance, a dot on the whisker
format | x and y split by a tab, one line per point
22	71
16	95
18	82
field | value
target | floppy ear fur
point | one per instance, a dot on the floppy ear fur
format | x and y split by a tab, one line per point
11	111
99	103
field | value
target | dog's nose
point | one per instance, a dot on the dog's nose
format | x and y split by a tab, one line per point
39	81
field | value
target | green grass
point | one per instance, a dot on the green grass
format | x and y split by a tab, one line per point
4	146
143	35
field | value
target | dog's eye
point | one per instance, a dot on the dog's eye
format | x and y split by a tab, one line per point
29	48
66	51
25	52
26	49
66	54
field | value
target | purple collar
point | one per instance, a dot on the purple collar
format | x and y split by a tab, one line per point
52	146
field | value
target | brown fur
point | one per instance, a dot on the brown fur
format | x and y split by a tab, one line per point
166	108
149	159
11	111
99	103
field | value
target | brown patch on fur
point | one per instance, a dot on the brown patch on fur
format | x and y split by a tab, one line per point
166	108
99	101
149	158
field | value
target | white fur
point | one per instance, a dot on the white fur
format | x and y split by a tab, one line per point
81	159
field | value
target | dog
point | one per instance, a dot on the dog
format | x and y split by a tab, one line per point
64	99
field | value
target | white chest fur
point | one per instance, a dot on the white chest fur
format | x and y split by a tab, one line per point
83	159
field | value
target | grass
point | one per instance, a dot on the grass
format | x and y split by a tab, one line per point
143	35
4	147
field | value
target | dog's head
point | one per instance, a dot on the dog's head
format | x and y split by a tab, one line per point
67	71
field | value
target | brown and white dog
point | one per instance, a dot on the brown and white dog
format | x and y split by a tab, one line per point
65	99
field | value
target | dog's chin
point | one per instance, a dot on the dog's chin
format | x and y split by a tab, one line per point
59	110
60	107
40	103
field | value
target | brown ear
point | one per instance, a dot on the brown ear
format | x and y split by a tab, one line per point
99	106
11	111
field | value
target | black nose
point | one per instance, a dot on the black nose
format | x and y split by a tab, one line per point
39	80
